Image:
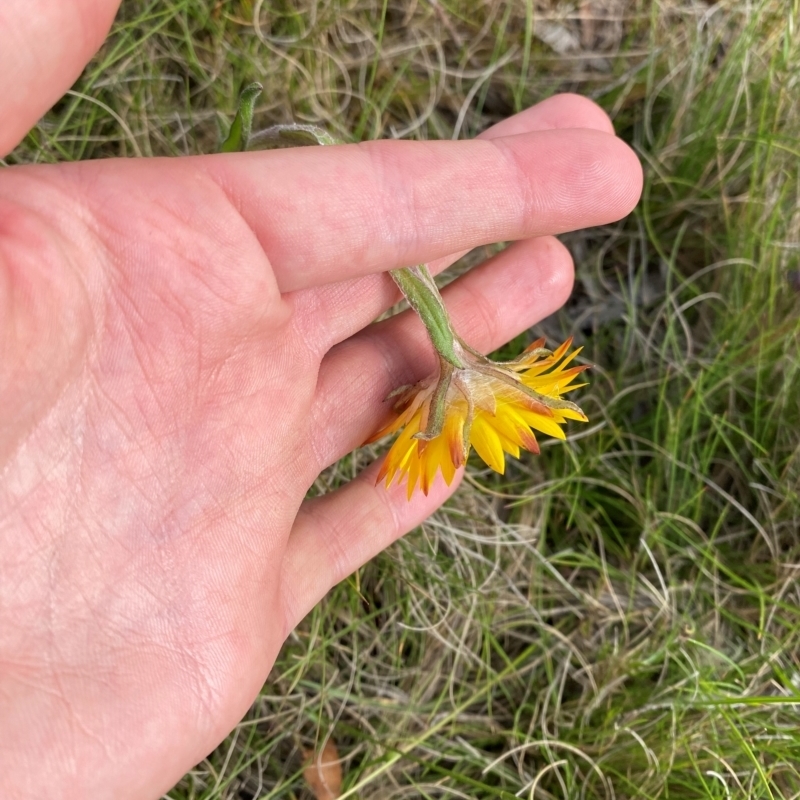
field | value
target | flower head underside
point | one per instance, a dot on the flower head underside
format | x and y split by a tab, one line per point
491	407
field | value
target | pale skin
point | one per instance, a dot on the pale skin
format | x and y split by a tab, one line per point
184	345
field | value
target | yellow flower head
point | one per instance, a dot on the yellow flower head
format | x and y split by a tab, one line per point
493	407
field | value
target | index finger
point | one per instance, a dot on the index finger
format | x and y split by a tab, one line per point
325	214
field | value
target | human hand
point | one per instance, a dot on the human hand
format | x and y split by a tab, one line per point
185	344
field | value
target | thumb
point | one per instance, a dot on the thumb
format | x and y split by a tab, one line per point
44	45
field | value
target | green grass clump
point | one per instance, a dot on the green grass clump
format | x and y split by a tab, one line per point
619	617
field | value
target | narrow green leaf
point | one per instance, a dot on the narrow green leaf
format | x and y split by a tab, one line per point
242	126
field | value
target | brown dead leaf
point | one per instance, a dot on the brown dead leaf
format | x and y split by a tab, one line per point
323	773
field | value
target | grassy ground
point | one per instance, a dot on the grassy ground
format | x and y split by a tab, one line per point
619	617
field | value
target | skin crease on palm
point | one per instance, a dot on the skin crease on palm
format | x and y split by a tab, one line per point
184	345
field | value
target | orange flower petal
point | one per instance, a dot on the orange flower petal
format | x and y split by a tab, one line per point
504	418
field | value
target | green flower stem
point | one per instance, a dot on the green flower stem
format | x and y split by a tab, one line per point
423	296
416	283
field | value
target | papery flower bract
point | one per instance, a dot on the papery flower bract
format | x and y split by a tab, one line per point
493	407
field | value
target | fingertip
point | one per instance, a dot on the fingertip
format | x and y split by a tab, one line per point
571	179
628	181
565	110
570	110
555	272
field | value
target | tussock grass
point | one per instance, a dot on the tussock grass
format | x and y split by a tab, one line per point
619	617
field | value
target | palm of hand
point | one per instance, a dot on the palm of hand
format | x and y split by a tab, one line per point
145	502
153	481
182	354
